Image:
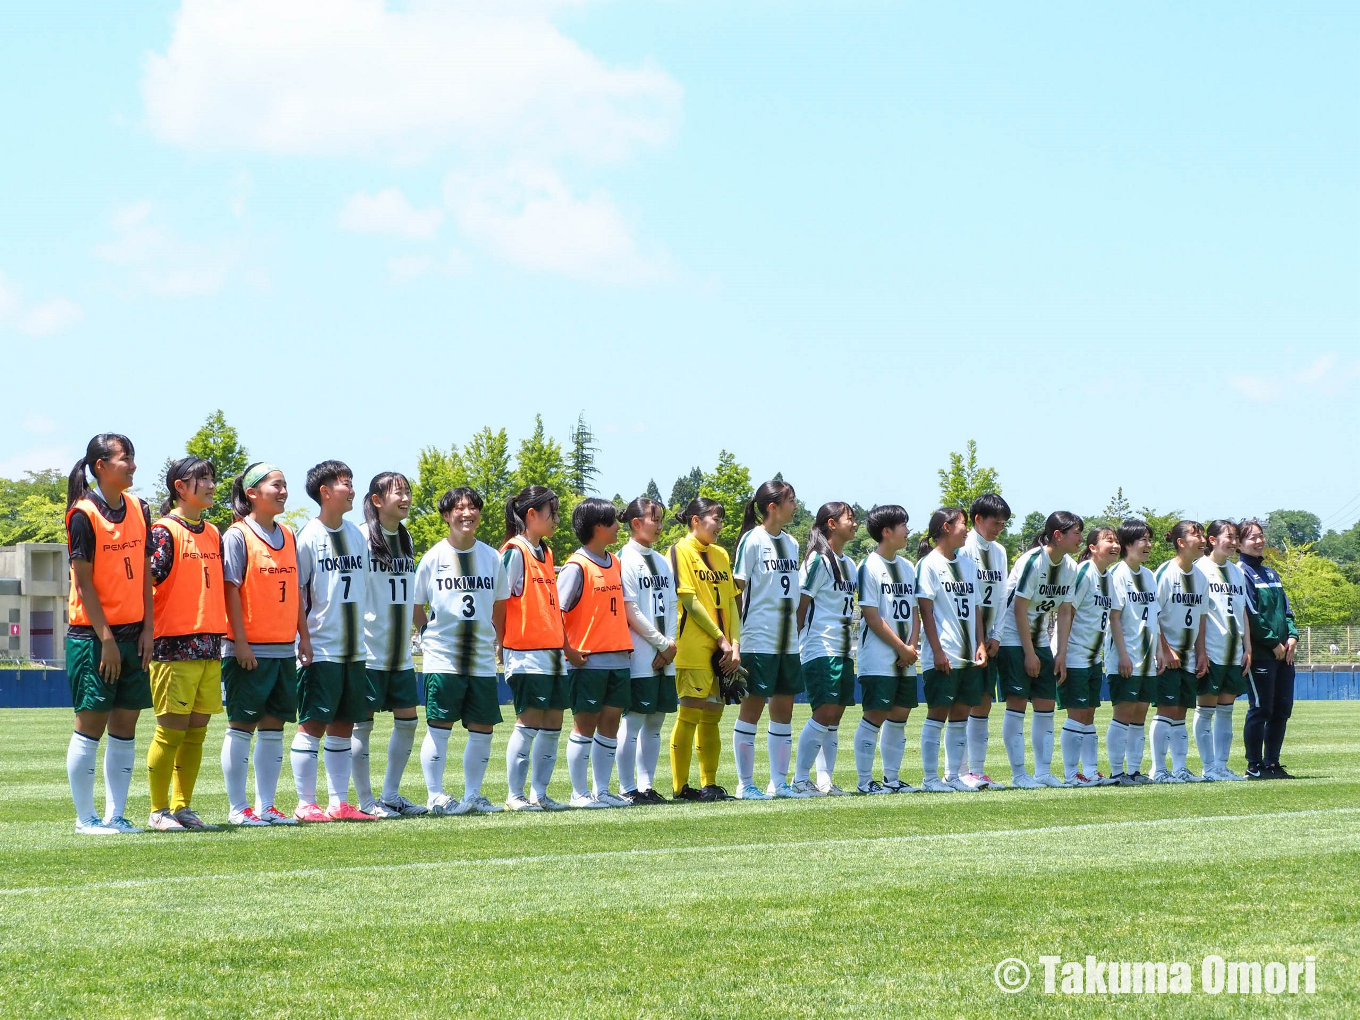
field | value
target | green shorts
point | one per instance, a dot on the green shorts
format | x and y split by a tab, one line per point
773	674
652	694
829	680
991	679
333	692
1016	683
1210	683
1177	687
884	693
1230	679
1082	689
268	689
390	689
1132	689
539	690
594	689
89	692
962	685
450	697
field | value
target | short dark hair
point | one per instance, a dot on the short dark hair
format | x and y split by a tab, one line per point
989	504
453	497
328	472
882	518
589	513
1130	531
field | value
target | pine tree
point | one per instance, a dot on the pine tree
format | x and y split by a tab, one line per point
652	492
582	469
686	487
1118	508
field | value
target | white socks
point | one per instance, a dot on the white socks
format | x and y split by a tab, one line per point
1072	733
1041	739
955	741
434	758
578	764
358	752
476	756
649	750
826	755
518	754
1204	736
1180	745
120	757
892	744
1116	740
744	753
602	763
80	759
809	744
399	746
1013	737
977	745
544	759
630	727
1223	734
304	753
1090	751
1134	753
236	766
1161	742
338	765
866	742
779	743
931	732
268	765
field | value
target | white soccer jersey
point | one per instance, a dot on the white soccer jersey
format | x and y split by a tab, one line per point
1046	584
1181	604
1134	597
331	569
461	589
1226	611
387	606
1091	601
888	586
991	560
768	567
826	629
952	588
649	585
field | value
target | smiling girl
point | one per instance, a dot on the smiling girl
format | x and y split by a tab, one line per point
1180	618
1131	652
1228	648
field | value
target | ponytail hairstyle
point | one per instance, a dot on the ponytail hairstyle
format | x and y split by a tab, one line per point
1217	528
643	509
757	506
1058	520
383	484
531	497
923	548
941	519
101	447
186	469
700	506
1092	537
1130	531
240	502
1245	525
819	536
1182	531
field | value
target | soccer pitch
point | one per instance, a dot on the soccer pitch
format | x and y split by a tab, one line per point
859	906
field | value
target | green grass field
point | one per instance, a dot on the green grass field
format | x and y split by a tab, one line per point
856	907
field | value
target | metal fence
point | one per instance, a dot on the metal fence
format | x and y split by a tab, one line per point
1328	646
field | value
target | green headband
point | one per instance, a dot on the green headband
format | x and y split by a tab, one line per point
255	475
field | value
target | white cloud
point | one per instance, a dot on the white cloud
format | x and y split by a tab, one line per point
162	263
357	77
47	318
38	424
1326	376
390	214
528	217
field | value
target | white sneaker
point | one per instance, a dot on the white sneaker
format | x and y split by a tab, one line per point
545	802
806	788
1024	781
1186	776
1163	776
403	807
934	784
1047	779
1227	775
247	818
479	805
517	802
783	790
1101	779
442	804
872	787
378	809
1080	779
1211	775
831	789
752	792
94	826
122	825
587	800
273	816
959	784
610	799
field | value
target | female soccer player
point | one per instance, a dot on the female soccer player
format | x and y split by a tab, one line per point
533	647
649	600
1273	637
464	583
1131	652
826	604
990	514
109	639
889	631
708	625
1040	581
1180	618
186	662
1078	648
599	649
259	667
954	649
766	572
1229	651
389	672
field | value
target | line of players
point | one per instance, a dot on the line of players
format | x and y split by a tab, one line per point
169	614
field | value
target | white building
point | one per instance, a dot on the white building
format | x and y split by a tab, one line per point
34	582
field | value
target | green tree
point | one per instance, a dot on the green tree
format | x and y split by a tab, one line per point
436	473
965	480
582	469
1291	527
540	462
486	458
1160	524
686	487
33	509
218	443
652	492
1319	593
730	484
1341	546
1118	508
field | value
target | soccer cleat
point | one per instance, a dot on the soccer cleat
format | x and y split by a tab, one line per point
831	789
872	787
1210	775
960	785
1047	779
654	796
442	804
1081	779
1024	781
687	792
379	810
1139	779
310	813
122	825
1163	776
188	818
546	802
164	821
403	807
897	786
1227	775
273	816
784	790
752	792
1277	771
1186	776
976	781
94	826
479	805
246	819
806	788
587	800
514	802
633	797
1101	779
714	792
610	799
934	784
347	812
1120	779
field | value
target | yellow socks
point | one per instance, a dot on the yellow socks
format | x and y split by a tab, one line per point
160	762
187	761
707	744
682	745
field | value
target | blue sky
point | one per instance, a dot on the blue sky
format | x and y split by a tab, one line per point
1115	247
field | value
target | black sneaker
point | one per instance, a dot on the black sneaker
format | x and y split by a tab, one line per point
654	796
1120	779
712	793
1258	772
1277	771
688	792
633	797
